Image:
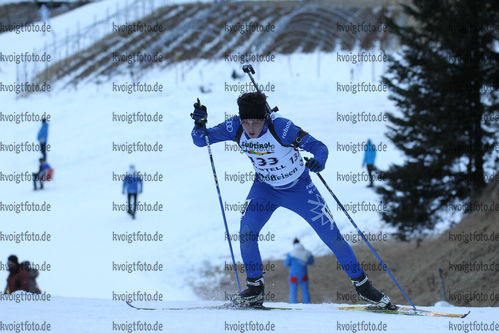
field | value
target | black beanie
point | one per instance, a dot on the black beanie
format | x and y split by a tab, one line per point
249	111
252	106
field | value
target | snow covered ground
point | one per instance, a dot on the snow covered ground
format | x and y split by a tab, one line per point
87	236
66	314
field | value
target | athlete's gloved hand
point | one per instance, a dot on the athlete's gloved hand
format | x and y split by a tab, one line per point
314	165
200	114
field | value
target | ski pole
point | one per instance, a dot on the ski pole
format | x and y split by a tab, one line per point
363	237
219	196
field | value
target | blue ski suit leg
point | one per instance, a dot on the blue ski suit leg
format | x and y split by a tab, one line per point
303	199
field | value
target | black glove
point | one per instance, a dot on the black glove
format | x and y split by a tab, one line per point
200	114
314	165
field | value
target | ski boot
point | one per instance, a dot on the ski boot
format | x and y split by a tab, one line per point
253	296
368	293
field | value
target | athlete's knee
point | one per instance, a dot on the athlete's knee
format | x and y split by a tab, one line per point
250	229
248	236
247	244
339	247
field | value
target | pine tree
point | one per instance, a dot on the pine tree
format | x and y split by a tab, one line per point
444	84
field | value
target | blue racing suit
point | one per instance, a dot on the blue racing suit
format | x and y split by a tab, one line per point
281	180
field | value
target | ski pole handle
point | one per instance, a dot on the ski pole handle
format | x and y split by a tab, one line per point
200	105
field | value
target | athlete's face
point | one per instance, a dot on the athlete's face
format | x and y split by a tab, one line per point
253	127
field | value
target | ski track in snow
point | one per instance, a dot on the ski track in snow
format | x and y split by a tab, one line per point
99	315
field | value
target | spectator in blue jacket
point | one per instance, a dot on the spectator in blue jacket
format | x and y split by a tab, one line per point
369	157
132	182
297	261
43	136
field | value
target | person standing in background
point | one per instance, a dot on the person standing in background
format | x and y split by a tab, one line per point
297	261
43	136
133	184
369	157
44	13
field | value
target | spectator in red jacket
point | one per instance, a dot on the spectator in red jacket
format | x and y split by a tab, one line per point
297	261
18	278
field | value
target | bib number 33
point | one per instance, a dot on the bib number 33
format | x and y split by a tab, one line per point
260	161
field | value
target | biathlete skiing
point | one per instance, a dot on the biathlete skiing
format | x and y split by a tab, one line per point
282	179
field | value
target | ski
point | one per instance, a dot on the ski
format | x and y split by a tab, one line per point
403	310
227	306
